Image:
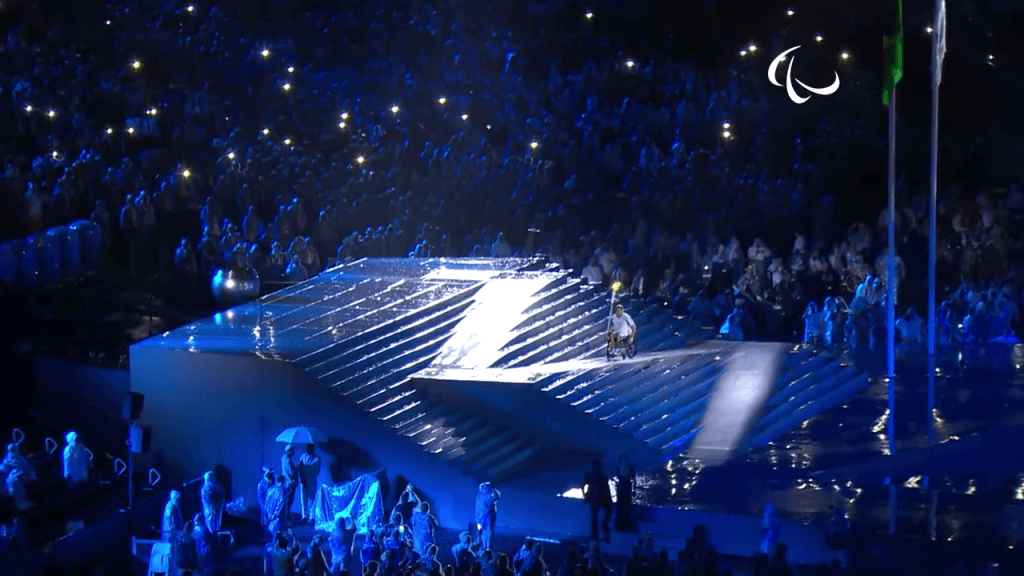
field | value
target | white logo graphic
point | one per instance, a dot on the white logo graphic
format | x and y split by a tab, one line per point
796	98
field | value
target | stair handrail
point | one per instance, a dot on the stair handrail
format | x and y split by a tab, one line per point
17	436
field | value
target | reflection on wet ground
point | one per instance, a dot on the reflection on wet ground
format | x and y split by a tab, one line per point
969	400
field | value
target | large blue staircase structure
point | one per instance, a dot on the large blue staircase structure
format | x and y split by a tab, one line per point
498	365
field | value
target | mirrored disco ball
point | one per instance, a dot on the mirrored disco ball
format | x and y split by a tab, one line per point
234	286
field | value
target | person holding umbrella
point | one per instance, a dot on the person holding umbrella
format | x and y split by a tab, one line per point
290	469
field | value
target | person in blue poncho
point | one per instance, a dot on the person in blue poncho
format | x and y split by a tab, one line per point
212	497
423	527
487	512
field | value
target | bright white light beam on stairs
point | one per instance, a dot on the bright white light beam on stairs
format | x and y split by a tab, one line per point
736	401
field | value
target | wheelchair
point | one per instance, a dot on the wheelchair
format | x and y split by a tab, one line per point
626	348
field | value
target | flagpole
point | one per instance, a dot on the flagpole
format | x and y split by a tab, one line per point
891	284
939	48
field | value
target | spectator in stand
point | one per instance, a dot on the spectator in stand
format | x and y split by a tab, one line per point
593	273
501	248
911	327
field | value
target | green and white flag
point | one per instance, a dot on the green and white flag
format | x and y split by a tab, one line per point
893	43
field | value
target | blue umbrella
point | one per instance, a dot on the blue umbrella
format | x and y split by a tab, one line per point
301	435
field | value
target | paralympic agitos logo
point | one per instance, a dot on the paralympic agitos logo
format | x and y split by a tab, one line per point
796	98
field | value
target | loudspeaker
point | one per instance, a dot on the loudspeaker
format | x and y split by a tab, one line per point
132	408
140	438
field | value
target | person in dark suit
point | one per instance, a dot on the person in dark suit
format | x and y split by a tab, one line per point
598	495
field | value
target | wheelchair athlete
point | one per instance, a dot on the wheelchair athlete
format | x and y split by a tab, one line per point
620	327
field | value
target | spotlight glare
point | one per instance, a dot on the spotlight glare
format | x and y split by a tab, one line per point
341	124
186	173
190	8
589	15
265	53
465	116
818	38
360	159
928	29
442	100
136	64
394	109
630	63
752	48
131	130
725	125
287	141
28	108
344	115
231	155
51	113
266	131
845	55
534	145
54	154
726	133
291	69
743	52
110	130
287	87
789	12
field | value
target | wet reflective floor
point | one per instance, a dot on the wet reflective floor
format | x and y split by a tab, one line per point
970	398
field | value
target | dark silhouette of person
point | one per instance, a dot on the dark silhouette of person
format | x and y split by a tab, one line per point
625	478
598	495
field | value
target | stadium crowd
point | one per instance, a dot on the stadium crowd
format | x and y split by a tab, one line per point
286	137
201	138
